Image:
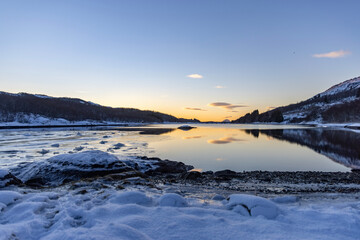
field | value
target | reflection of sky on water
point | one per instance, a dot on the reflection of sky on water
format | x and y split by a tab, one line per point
207	147
224	140
218	147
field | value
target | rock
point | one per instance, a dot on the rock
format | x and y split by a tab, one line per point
225	173
172	200
249	205
43	151
7	179
192	175
167	166
118	146
69	167
185	127
125	175
35	182
78	149
55	145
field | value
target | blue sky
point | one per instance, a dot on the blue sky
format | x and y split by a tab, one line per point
247	54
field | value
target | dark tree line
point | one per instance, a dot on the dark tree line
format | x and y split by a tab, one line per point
270	116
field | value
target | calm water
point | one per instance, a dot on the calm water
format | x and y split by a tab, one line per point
206	147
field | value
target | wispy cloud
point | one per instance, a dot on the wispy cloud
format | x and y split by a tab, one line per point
226	105
195	109
334	54
220	87
195	75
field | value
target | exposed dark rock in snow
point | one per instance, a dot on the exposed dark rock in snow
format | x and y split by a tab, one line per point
167	166
7	179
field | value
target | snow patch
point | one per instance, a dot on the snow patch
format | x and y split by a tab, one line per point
8	197
172	200
132	197
249	205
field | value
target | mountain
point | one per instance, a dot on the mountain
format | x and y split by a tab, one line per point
30	108
338	104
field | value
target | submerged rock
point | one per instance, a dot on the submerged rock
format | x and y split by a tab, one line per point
118	146
185	127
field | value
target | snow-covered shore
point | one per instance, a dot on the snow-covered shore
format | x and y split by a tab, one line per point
106	199
93	211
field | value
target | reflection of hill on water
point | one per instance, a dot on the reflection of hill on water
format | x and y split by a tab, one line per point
340	146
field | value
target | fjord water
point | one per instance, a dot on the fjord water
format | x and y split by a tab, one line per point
206	147
262	147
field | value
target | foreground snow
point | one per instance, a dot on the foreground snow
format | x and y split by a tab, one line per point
111	214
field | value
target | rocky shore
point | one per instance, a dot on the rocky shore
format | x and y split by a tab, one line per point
156	173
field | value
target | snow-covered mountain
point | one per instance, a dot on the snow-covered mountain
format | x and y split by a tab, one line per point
339	104
36	109
343	87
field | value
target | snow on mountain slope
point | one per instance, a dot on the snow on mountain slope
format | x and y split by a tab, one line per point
343	86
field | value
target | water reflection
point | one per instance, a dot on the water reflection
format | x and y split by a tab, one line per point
340	146
192	137
243	148
224	140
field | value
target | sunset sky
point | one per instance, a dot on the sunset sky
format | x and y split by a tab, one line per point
209	60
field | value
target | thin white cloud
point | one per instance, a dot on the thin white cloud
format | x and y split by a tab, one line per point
195	109
226	105
334	54
195	75
219	86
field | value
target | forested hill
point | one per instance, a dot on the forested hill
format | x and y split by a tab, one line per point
18	108
338	104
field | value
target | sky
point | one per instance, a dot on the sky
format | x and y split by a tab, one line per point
209	60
